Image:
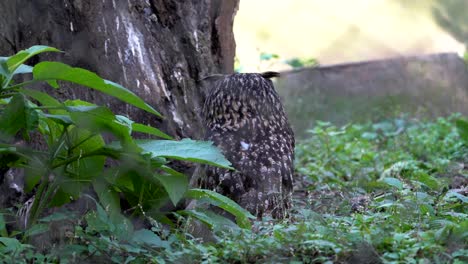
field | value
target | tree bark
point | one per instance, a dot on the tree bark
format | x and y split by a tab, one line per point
156	48
159	49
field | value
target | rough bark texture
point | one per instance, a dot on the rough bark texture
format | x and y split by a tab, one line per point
157	48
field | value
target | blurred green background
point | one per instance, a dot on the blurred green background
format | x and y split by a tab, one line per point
336	31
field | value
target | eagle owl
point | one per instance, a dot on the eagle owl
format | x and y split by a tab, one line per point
245	119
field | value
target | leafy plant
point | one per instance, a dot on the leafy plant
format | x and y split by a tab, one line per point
386	192
372	194
76	151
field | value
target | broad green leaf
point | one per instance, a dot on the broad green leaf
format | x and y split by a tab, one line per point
16	116
10	245
35	169
19	58
89	162
393	182
323	244
457	195
82	143
124	121
13	117
100	220
47	71
427	180
110	200
423	197
62	197
58	216
36	229
23	69
64	120
43	98
96	223
107	197
175	183
78	102
186	149
53	83
145	236
242	215
149	130
99	119
211	219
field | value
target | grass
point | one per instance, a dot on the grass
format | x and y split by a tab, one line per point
388	192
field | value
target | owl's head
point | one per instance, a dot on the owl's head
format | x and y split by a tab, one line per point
235	100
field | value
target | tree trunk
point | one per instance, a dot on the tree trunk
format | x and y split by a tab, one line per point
156	48
159	49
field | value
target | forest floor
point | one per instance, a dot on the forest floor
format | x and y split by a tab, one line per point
388	192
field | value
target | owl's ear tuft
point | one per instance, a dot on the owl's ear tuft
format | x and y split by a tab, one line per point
270	74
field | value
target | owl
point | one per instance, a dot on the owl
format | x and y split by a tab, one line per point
245	119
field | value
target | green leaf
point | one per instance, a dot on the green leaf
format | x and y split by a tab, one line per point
145	236
16	116
242	215
3	69
175	183
393	182
62	197
3	230
88	162
107	197
47	71
100	221
459	196
43	98
149	130
64	120
96	223
22	69
427	180
82	143
36	229
323	244
462	126
19	58
58	216
98	119
110	200
10	245
369	135
186	149
35	169
211	219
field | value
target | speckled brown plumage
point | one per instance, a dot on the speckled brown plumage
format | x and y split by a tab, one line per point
246	120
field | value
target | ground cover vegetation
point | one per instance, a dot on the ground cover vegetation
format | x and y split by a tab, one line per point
393	191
